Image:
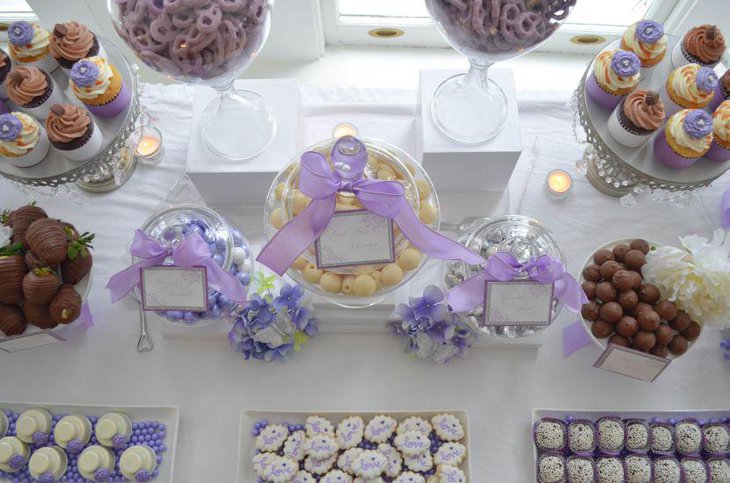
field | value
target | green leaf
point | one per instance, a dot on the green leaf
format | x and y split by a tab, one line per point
300	339
12	250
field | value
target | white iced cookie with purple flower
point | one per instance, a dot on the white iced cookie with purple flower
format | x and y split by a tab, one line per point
321	446
319	466
344	462
317	425
395	461
262	461
304	476
350	432
380	429
450	474
415	423
409	477
422	462
412	443
370	464
448	427
281	470
450	453
336	476
294	446
272	437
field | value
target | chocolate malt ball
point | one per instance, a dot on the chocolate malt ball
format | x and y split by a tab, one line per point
660	351
623	280
627	326
589	311
679	345
692	331
636	279
644	341
634	260
608	269
667	310
620	251
601	329
641	245
648	320
592	273
617	339
605	292
649	293
602	256
628	300
681	322
640	307
664	334
611	312
589	288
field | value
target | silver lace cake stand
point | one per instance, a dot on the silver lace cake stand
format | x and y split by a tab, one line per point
618	170
113	165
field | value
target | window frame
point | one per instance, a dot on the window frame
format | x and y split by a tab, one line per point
417	33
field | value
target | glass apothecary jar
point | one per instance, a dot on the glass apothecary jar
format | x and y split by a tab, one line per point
229	248
364	284
525	238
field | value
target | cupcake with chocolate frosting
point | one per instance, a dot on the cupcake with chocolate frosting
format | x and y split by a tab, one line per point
720	148
73	41
30	45
686	137
702	45
638	116
73	132
33	90
615	74
722	92
647	40
23	142
5	66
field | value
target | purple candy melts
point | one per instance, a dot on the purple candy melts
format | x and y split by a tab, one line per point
625	64
10	127
649	32
706	79
120	441
20	33
697	124
84	73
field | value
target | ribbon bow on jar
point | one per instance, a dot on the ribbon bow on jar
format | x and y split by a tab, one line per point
385	198
191	252
504	267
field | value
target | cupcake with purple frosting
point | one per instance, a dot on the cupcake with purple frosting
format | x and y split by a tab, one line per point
30	45
689	87
615	74
686	138
99	85
647	40
23	142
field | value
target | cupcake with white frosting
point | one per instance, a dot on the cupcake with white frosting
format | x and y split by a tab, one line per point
720	148
113	430
14	454
138	463
689	87
34	426
615	75
73	132
30	44
686	138
23	142
73	433
99	85
48	464
96	463
646	39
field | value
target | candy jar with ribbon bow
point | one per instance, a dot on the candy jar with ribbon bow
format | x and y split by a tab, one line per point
354	263
189	235
516	248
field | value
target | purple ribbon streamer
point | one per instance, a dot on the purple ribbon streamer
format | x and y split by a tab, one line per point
503	267
191	252
725	209
85	316
385	198
575	338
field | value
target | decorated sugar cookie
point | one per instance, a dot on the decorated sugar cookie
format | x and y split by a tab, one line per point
262	461
450	453
450	474
421	463
344	462
380	429
369	480
272	437
321	466
317	425
294	446
412	443
448	427
350	432
321	446
370	464
304	476
409	477
415	423
281	470
395	461
336	476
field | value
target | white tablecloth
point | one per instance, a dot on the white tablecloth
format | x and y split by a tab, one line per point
212	385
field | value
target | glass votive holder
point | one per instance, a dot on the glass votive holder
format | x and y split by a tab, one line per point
558	184
146	144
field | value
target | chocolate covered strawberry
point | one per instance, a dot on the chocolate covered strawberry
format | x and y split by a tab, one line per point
22	218
79	260
66	305
12	271
47	240
70	231
40	285
31	261
39	316
12	320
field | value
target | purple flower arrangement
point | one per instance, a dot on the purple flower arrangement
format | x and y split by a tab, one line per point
430	330
272	326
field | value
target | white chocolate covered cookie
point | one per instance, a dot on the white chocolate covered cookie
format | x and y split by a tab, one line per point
321	446
450	474
450	453
395	460
409	477
336	476
316	425
415	423
304	477
272	437
421	463
448	427
344	462
281	470
412	443
380	429
370	464
321	466
350	432
294	446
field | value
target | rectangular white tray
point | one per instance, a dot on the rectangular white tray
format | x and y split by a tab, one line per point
169	415
246	448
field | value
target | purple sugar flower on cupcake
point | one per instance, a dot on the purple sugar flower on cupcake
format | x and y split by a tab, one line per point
698	124
84	73
625	64
706	79
20	33
10	127
649	31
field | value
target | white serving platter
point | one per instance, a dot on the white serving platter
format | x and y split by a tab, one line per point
169	415
247	449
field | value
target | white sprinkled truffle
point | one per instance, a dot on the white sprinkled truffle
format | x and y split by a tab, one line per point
581	437
610	470
581	470
667	470
611	435
637	436
662	439
717	438
695	470
551	469
720	470
638	469
550	434
688	437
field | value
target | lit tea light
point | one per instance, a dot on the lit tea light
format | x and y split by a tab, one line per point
558	183
344	129
149	144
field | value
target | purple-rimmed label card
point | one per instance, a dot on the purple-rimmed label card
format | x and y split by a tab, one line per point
29	341
174	288
356	238
631	363
517	303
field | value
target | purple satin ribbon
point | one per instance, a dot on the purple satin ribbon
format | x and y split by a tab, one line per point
503	267
85	317
385	198
725	209
191	252
575	337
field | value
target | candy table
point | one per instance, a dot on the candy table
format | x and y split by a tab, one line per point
212	385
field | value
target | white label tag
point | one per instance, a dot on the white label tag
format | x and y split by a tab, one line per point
29	341
518	303
174	288
356	238
631	363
